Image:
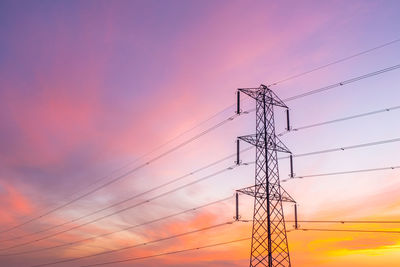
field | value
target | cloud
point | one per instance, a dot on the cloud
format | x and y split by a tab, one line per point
362	243
13	204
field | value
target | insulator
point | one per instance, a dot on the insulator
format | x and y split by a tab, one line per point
237	152
291	166
237	207
287	120
238	103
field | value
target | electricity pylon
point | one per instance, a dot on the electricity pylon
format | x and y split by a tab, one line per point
269	246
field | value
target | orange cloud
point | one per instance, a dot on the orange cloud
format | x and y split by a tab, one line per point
13	203
362	243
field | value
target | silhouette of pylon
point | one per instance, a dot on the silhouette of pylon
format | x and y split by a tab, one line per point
269	246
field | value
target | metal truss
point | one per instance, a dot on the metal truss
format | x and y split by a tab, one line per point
269	246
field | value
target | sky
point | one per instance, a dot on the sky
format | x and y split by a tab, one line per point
90	90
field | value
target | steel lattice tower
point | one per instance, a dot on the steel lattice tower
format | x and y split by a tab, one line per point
269	246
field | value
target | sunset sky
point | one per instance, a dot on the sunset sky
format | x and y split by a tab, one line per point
90	90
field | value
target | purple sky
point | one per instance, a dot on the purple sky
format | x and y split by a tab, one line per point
89	86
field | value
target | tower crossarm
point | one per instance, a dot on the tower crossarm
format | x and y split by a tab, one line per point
258	93
255	191
273	142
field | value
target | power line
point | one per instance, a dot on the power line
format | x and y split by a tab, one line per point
342	172
167	253
348	222
342	148
129	198
332	86
335	62
139	245
187	211
120	230
213	245
348	147
160	146
198	170
329	87
340	119
350	230
123	209
125	174
335	221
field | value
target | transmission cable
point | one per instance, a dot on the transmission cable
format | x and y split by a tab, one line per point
339	120
203	247
346	221
329	87
342	172
120	230
351	230
139	245
125	174
198	170
335	62
335	221
129	198
332	86
347	147
123	209
342	148
166	253
284	180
